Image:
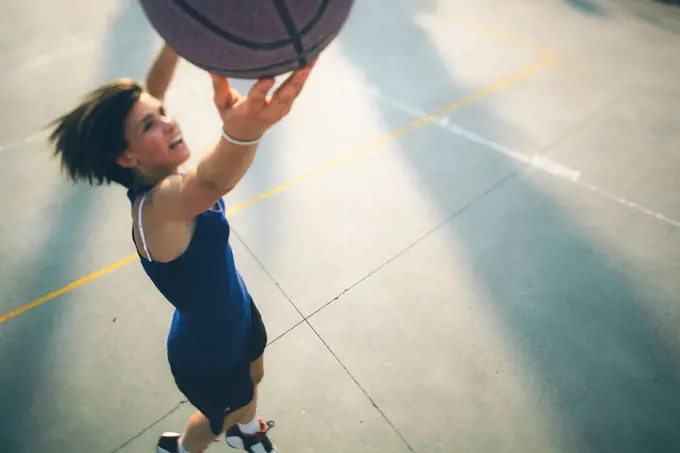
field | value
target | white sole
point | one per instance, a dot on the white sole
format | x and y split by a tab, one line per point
236	442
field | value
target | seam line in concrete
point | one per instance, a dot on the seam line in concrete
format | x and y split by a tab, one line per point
306	321
499	85
147	428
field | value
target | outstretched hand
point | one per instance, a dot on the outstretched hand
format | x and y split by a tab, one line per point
249	117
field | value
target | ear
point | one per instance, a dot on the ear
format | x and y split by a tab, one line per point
126	160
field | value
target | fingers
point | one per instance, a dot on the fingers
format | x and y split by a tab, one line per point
222	91
258	109
292	87
258	93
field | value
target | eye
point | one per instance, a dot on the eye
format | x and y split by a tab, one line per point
162	110
147	125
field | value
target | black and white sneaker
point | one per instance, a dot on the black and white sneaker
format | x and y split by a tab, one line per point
168	443
252	443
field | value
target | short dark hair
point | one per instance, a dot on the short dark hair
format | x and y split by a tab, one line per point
90	138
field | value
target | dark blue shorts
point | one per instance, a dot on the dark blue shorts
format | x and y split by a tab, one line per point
216	396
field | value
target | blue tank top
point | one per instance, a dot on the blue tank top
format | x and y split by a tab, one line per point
212	304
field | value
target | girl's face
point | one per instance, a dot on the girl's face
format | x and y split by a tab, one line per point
155	143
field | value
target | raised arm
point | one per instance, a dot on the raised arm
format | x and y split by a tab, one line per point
161	72
244	121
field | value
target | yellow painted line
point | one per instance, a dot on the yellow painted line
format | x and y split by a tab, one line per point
512	40
67	288
387	138
502	36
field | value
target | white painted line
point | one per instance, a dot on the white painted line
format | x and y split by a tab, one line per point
78	44
41	135
630	204
554	168
471	136
17	143
375	93
535	162
58	54
81	45
445	123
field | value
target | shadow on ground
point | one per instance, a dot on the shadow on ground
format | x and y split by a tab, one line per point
36	413
587	7
662	14
582	323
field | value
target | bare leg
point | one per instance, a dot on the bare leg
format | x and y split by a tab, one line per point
198	436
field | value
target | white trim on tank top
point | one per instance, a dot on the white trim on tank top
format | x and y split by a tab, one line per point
141	228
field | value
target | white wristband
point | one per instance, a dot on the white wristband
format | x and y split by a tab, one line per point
229	138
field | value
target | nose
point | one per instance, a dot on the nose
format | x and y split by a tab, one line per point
169	124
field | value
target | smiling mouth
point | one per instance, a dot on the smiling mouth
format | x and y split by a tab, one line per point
176	142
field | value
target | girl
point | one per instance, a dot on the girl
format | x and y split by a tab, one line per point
122	133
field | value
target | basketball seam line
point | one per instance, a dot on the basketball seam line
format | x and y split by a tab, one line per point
258	68
204	21
291	29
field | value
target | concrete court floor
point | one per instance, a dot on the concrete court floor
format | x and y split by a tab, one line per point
498	277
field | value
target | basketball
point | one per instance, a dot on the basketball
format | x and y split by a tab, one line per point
247	39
